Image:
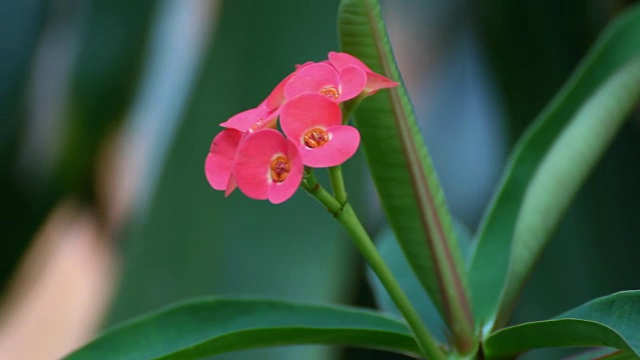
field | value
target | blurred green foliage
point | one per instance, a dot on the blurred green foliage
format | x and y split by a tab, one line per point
192	241
533	47
20	214
103	84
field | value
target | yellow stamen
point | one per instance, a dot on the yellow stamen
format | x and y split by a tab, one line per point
330	92
316	137
280	168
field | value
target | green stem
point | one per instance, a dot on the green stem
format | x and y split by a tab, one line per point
337	184
310	183
348	219
335	172
349	106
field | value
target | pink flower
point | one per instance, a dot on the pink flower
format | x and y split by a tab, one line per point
322	78
268	166
219	162
375	82
314	123
252	155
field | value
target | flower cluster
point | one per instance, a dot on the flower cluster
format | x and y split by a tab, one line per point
251	154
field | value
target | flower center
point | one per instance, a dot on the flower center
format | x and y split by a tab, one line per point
330	92
316	137
280	168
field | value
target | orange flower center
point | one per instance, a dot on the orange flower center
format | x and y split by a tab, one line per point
280	168
330	92
316	137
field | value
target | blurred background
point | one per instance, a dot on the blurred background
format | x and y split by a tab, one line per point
108	107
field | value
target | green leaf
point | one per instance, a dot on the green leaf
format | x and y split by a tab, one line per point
511	341
490	261
611	321
603	353
403	173
565	168
213	326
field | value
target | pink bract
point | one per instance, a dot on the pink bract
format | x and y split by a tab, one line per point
219	162
252	119
276	98
375	81
322	78
314	123
262	157
264	115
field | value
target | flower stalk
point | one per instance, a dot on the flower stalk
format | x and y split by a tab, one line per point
337	184
344	214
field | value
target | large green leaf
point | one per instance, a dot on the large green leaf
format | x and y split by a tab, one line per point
216	325
403	173
489	265
564	170
611	321
602	354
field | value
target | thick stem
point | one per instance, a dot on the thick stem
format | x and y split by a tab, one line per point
310	183
347	218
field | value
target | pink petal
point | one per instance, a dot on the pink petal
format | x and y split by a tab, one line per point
231	185
282	191
353	80
311	79
343	143
244	120
277	98
307	111
251	167
376	82
219	162
252	119
299	66
341	60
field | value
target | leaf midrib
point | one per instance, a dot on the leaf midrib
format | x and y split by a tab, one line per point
421	188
